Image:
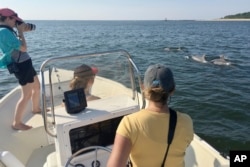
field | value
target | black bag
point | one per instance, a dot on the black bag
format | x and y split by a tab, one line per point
12	67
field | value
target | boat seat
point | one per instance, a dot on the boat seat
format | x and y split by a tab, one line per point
9	160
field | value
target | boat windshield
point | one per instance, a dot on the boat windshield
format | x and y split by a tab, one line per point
112	68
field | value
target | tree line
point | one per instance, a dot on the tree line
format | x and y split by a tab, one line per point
245	15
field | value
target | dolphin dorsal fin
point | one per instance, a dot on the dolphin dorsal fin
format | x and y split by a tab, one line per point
222	57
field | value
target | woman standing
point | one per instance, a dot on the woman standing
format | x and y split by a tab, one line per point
14	49
142	136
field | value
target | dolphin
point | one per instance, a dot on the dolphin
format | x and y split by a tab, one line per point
221	61
173	49
199	58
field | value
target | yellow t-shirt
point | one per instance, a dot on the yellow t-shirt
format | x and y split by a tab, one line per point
148	133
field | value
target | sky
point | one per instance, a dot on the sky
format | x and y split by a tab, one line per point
125	9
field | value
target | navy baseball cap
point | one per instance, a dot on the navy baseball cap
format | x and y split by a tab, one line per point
159	76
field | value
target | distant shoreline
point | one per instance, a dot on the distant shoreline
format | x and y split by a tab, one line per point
231	20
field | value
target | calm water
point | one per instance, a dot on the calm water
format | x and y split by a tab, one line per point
216	97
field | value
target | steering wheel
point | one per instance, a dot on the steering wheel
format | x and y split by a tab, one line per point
95	163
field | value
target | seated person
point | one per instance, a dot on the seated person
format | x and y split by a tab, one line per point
84	76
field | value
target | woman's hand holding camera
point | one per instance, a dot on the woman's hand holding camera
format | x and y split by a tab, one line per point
20	28
23	27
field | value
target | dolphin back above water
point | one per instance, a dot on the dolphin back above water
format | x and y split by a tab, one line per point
221	61
199	58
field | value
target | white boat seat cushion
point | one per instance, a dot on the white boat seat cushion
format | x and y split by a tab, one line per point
9	160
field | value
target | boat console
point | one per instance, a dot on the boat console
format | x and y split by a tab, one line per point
94	126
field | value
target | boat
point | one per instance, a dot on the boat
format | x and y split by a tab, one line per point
84	138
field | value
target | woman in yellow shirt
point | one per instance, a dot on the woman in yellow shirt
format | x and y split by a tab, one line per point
142	136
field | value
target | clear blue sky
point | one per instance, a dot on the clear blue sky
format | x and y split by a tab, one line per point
125	9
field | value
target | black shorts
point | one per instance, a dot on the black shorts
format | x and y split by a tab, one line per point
26	72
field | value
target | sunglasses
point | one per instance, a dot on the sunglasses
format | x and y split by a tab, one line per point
13	16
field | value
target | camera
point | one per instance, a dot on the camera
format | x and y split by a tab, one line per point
28	26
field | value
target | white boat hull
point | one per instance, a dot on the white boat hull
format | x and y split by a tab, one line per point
36	148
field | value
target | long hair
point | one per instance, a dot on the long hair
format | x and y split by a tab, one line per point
80	82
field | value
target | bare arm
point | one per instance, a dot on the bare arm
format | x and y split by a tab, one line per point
20	29
120	152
